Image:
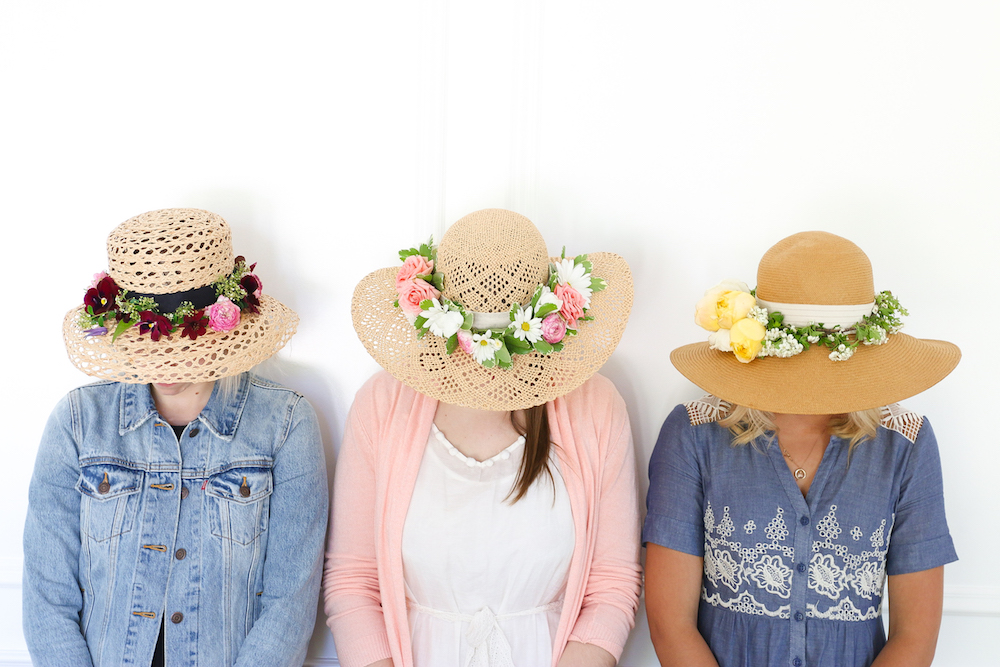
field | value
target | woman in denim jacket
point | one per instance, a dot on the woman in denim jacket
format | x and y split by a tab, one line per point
177	509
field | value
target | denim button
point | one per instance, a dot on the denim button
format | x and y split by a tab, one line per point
797	662
193	432
177	617
801	567
805	522
184	492
181	553
799	616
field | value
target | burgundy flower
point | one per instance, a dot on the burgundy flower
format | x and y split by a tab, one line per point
195	324
154	324
102	297
252	286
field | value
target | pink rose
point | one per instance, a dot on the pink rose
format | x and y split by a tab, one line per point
412	292
98	277
573	303
465	340
553	328
415	265
223	315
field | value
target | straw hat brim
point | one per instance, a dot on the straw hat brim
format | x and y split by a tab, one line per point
424	364
811	383
138	359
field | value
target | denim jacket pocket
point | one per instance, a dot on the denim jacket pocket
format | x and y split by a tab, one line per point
109	499
239	501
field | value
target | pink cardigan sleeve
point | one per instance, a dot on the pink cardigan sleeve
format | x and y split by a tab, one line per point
611	594
350	579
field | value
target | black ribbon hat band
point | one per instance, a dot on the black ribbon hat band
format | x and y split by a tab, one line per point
200	297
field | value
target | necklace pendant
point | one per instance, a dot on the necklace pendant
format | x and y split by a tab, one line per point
800	473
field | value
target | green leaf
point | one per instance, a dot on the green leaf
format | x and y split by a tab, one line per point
451	344
421	332
467	324
420	322
489	363
542	347
503	357
535	297
123	326
563	255
409	252
426	304
587	265
516	345
557	347
514	309
426	277
439	282
570	332
598	284
395	304
545	310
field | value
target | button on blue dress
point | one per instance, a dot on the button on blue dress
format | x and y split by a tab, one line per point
793	580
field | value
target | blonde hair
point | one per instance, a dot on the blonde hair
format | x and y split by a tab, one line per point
748	424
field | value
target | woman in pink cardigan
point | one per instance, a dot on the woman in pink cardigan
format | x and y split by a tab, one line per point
485	508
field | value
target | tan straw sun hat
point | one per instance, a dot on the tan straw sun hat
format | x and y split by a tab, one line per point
820	278
487	263
183	307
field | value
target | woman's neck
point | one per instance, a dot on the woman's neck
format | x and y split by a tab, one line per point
478	434
181	403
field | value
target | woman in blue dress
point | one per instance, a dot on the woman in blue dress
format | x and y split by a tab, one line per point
781	502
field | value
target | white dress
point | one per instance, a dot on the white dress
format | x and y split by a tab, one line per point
485	578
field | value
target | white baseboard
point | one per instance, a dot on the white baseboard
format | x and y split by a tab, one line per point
23	659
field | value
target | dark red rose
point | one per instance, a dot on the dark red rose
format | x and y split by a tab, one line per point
102	298
154	324
252	286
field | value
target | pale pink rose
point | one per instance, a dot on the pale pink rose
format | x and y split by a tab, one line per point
465	340
98	277
572	303
415	265
412	292
553	328
223	315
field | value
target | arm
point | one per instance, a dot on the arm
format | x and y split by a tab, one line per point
351	594
294	560
586	655
611	594
673	589
51	588
915	601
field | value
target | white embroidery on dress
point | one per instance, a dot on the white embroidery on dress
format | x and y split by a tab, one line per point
825	576
856	533
746	604
828	526
905	422
749	527
706	410
867	579
878	537
725	527
773	576
844	611
777	530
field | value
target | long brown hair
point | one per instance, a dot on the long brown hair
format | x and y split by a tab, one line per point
535	429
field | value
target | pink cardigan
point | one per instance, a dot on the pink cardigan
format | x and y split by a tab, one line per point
384	441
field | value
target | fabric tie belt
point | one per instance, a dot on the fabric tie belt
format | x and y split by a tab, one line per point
490	647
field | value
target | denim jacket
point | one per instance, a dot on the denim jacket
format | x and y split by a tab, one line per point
217	535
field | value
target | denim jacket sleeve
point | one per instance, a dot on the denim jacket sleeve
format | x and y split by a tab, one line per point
52	597
294	563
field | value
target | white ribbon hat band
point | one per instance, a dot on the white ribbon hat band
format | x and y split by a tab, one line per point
493	321
801	314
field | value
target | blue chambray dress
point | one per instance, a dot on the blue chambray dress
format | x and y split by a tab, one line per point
796	581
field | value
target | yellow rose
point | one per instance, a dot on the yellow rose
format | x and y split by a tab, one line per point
746	338
715	309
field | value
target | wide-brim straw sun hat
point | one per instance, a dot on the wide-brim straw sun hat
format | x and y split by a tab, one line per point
491	260
175	256
812	277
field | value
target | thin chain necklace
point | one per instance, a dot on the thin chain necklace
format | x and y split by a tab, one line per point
800	471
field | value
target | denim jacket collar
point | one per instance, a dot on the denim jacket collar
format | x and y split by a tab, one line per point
222	418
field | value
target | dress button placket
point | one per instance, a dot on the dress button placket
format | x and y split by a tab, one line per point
802	542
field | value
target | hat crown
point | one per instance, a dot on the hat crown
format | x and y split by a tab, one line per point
815	268
492	259
170	250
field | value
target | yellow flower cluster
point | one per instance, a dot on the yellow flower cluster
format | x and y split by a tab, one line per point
723	310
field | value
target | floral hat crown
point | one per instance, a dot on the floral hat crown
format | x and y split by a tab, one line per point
555	308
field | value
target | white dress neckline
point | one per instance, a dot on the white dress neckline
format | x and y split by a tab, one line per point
468	460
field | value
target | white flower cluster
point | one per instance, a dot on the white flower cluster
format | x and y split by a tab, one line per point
778	343
842	353
883	336
759	314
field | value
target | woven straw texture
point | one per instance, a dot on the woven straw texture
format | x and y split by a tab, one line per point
819	268
176	250
491	269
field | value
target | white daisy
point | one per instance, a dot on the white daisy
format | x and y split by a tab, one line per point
576	276
441	321
484	346
527	327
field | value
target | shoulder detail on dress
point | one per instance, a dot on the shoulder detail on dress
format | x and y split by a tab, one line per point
707	409
905	422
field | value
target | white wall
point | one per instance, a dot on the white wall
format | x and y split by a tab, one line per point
688	137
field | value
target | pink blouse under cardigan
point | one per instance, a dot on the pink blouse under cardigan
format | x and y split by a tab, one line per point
376	470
